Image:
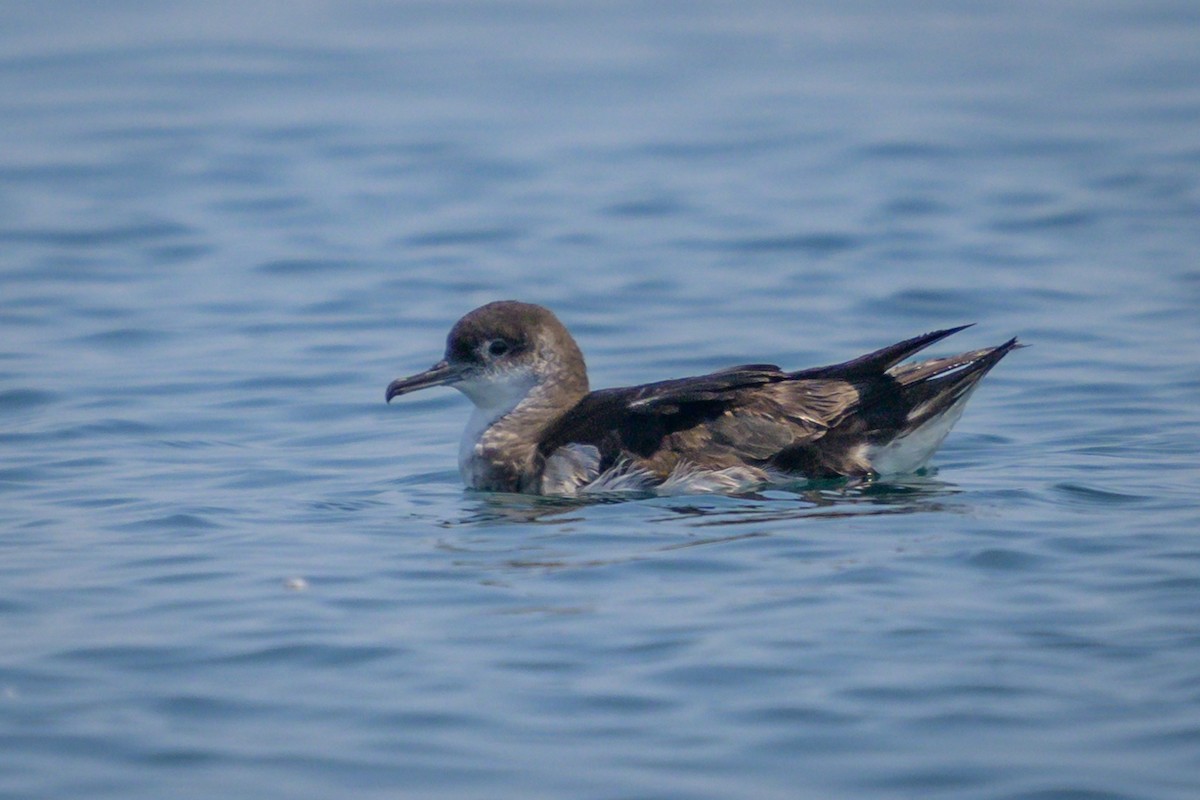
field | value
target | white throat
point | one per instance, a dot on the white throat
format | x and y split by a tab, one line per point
494	397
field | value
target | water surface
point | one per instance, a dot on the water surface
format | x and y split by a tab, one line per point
228	569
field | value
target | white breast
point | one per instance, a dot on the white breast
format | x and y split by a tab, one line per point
494	398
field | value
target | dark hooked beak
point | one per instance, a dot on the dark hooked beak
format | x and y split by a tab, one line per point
440	374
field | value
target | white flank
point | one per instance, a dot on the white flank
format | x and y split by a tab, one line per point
574	470
686	479
908	453
569	469
624	478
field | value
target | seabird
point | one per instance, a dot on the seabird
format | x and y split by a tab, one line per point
536	428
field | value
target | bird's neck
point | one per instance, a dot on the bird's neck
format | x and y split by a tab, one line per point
499	446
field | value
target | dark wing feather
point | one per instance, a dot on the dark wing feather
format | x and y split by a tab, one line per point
810	421
667	397
727	416
878	362
635	419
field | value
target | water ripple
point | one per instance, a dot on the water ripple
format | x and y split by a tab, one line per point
228	569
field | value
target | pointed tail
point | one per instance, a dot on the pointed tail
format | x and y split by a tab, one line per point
930	388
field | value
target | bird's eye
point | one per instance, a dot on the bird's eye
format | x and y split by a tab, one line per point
498	347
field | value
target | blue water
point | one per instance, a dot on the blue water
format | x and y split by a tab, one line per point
227	569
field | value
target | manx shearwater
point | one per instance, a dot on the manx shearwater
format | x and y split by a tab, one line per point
536	427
